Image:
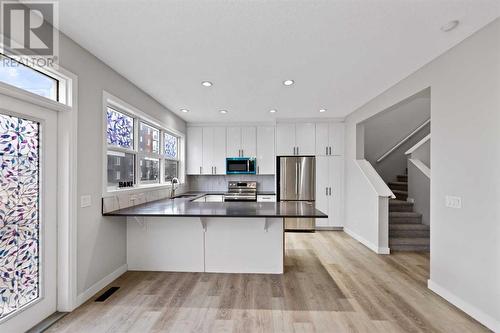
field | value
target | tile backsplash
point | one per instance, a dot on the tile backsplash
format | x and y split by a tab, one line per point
219	183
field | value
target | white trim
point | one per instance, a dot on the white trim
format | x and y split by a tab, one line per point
368	244
373	178
96	287
68	198
421	166
485	319
67	123
418	144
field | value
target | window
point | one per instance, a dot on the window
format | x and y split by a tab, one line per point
120	168
149	139
171	170
150	170
120	129
139	152
21	76
170	146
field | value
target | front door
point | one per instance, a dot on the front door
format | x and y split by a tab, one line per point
28	214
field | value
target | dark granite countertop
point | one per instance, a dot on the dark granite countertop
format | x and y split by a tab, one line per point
186	207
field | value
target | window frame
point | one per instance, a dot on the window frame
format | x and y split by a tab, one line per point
110	101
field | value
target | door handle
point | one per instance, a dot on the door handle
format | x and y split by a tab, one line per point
330	150
242	154
258	169
326	188
326	148
330	190
297	150
200	170
215	168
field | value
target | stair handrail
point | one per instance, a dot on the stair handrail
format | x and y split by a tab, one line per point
401	142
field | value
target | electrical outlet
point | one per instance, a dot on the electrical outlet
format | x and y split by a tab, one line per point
85	201
453	202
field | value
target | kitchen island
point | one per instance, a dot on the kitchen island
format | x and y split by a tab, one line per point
227	237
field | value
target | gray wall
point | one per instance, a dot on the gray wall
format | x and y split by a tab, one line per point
387	128
101	241
465	146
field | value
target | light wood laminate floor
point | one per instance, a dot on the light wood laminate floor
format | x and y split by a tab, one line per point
332	284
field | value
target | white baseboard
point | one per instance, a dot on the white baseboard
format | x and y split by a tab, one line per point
330	228
370	245
94	289
466	307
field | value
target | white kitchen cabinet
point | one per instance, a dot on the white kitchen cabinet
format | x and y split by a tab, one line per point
337	138
233	141
295	139
249	141
214	198
219	151
285	139
330	190
214	151
266	198
329	139
241	142
194	149
266	157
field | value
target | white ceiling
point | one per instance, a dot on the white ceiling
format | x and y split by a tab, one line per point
340	53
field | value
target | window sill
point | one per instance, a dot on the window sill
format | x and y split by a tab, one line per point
138	189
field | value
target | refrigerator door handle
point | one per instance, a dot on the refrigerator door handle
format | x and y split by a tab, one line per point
297	180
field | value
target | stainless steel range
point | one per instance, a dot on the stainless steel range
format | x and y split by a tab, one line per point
241	191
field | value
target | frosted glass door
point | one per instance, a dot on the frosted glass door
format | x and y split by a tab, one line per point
28	180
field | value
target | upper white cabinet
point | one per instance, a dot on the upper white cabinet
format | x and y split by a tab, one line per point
295	139
206	151
265	150
241	142
330	190
214	151
329	139
194	158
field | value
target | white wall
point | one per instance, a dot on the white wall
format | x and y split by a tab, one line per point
386	129
465	153
101	241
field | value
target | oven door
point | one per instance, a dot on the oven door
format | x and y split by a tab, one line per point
240	165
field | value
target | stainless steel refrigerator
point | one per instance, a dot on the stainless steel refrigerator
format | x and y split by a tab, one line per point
296	178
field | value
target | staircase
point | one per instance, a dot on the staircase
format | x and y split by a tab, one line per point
406	230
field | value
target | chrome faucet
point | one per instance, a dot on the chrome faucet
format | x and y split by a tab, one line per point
175	185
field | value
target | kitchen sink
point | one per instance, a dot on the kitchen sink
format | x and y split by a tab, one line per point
185	196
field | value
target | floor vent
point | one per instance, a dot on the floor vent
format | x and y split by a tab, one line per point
106	294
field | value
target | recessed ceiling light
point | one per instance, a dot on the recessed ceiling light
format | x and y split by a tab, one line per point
206	83
223	111
288	82
450	25
185	110
322	110
272	111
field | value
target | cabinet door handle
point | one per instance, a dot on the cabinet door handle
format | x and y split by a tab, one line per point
330	191
297	150
200	170
215	169
326	148
258	169
326	188
330	148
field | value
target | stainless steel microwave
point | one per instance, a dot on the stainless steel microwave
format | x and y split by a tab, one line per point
241	166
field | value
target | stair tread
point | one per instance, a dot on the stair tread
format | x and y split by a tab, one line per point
404	214
396	202
409	240
398	183
409	226
399	191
